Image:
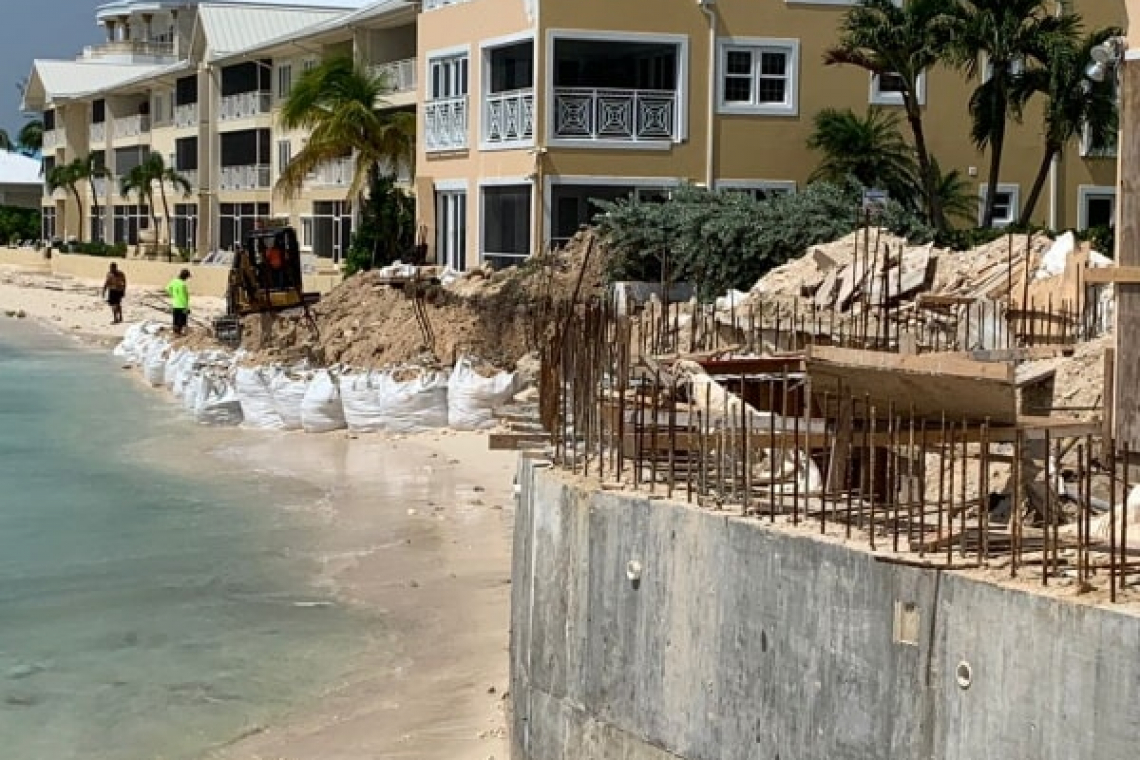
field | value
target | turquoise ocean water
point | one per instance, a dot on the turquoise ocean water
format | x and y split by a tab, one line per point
145	611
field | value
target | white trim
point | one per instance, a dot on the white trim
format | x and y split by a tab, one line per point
548	183
788	185
877	98
1132	54
1084	193
485	48
449	185
498	181
1014	202
682	103
507	39
790	46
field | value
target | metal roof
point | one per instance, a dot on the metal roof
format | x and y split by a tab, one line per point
57	80
234	28
18	169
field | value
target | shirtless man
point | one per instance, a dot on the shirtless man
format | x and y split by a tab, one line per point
114	288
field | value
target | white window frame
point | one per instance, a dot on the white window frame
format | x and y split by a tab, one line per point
284	150
486	48
305	240
308	64
503	182
448	59
453	187
284	83
779	185
1014	191
879	98
1084	193
787	45
637	183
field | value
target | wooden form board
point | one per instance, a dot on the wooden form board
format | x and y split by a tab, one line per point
1127	381
931	385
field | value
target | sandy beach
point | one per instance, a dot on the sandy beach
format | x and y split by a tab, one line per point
417	527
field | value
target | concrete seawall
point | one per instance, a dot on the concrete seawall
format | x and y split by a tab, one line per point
735	641
208	280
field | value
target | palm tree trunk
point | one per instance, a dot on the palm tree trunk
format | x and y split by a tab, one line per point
95	204
166	217
1051	150
79	210
933	202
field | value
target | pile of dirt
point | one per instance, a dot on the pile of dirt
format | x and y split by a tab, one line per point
367	322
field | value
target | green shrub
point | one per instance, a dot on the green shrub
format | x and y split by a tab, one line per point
730	240
1101	238
97	248
387	228
19	223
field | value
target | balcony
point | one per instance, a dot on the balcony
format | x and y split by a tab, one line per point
53	138
191	176
509	117
97	133
338	173
400	76
431	5
582	113
445	124
100	184
186	116
131	126
251	177
130	48
244	105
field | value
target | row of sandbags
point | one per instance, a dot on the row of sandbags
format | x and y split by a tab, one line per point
215	389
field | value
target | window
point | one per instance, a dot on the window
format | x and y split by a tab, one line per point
448	77
1006	204
887	89
506	224
1096	207
1109	149
284	80
306	233
308	64
760	189
759	76
284	154
451	228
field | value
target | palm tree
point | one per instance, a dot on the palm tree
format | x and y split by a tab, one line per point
142	180
68	177
1072	102
905	42
31	137
89	169
867	148
954	193
342	108
5	140
1007	34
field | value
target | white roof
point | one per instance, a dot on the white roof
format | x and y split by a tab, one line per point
18	169
232	28
53	80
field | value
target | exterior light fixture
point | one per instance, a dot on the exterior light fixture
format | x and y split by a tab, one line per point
1106	58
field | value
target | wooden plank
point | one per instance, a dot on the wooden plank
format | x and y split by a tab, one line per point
514	441
768	365
954	364
1122	274
1127	404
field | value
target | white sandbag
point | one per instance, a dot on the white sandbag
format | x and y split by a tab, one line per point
288	394
378	401
183	372
216	401
322	409
154	366
256	397
173	362
192	387
472	398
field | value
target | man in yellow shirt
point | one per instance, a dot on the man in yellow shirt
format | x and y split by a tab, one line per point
179	300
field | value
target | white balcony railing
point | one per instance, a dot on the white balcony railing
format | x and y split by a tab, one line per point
251	177
100	184
445	124
336	173
53	138
399	76
97	133
191	176
154	49
431	5
186	116
245	104
508	117
131	126
608	114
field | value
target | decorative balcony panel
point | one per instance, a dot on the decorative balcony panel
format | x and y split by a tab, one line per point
52	139
100	184
251	177
186	116
244	105
131	126
607	114
509	117
399	75
97	133
337	173
445	124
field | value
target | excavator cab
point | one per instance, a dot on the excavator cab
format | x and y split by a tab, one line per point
266	274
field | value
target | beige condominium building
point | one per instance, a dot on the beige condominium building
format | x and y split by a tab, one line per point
202	84
527	111
531	108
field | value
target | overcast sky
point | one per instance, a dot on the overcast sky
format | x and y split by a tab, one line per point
39	29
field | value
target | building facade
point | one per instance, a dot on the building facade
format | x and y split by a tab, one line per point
527	112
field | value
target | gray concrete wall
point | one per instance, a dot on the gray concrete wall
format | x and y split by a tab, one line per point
741	642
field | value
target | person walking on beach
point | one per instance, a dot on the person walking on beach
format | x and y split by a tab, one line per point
179	300
114	288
